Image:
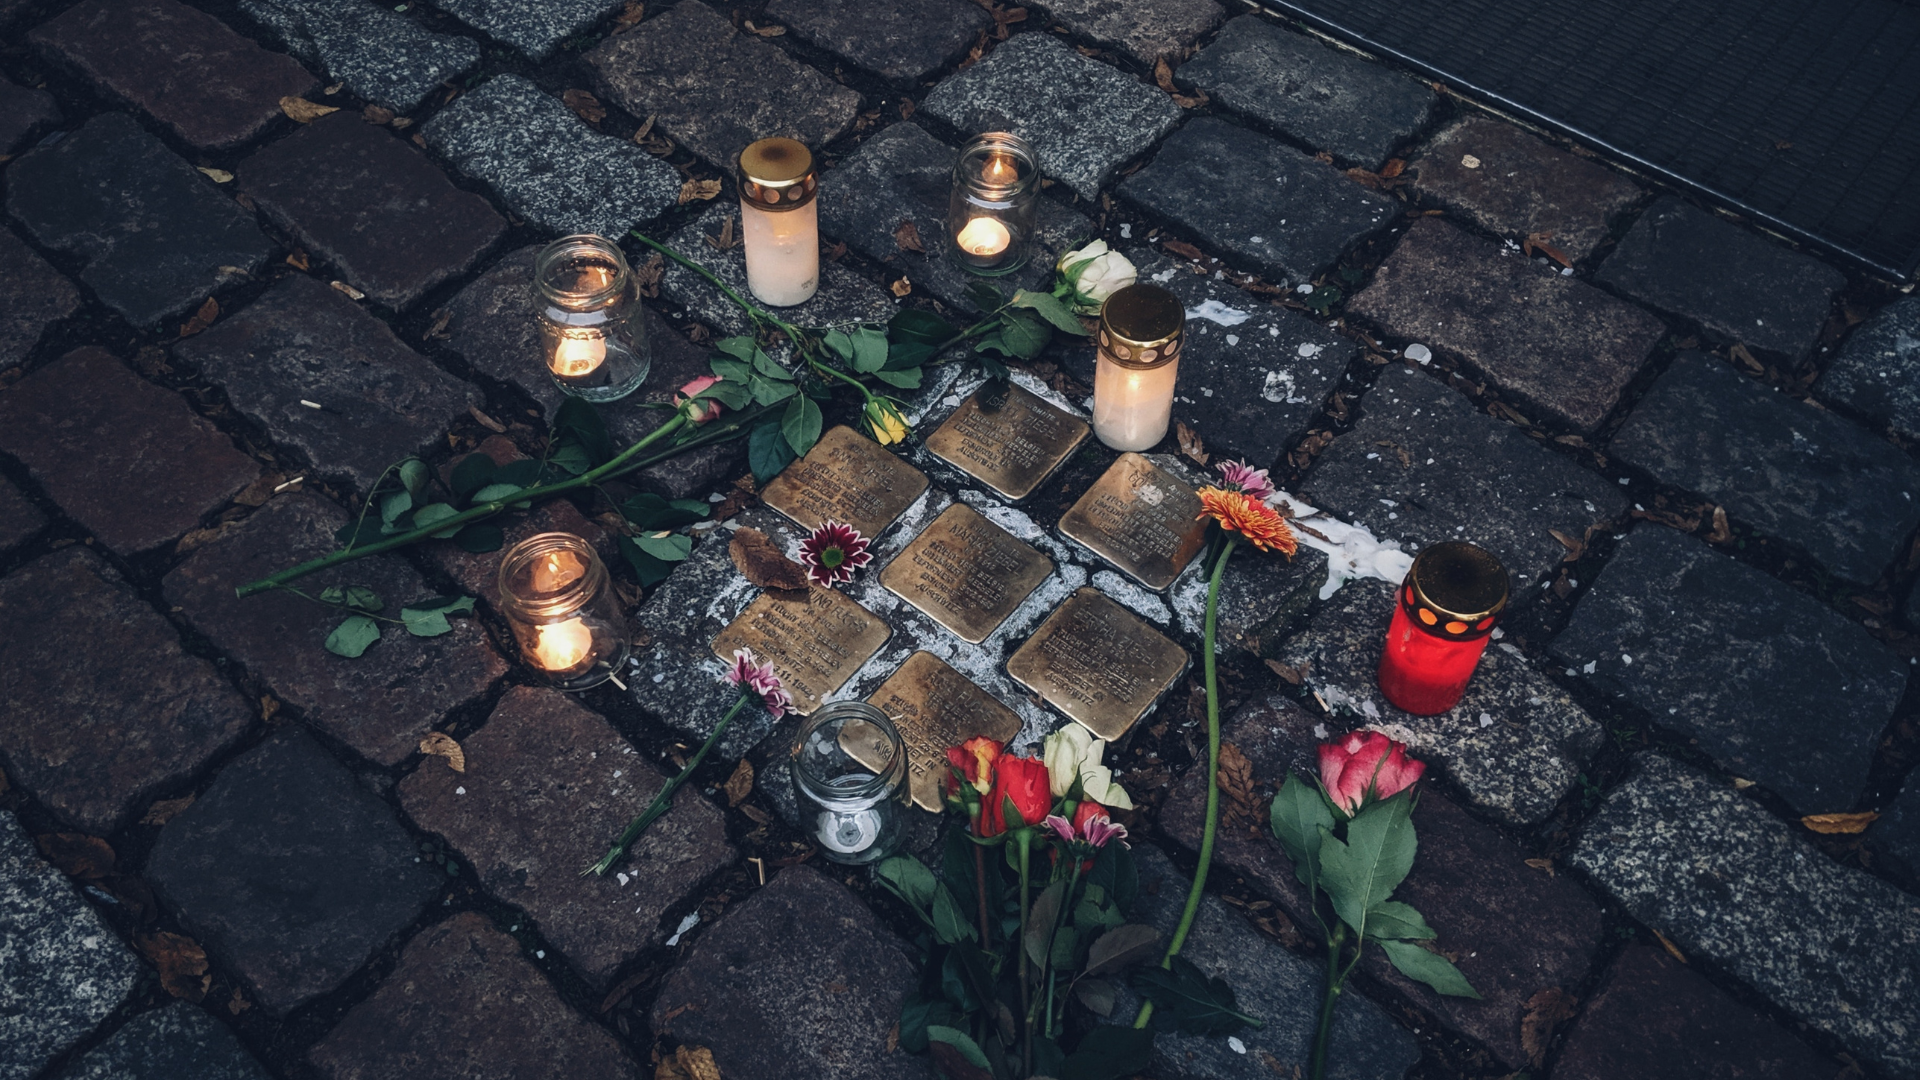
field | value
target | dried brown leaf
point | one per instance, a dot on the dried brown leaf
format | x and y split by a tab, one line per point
438	331
77	855
1575	548
1542	864
1672	949
585	106
486	421
1840	824
725	241
374	114
698	191
740	784
901	287
906	108
441	744
202	319
238	1003
1538	242
352	293
1393	168
688	1063
1546	1011
182	963
758	815
1745	358
907	236
303	111
218	176
298	259
1292	674
1190	443
1741	783
1183	249
165	810
765	31
1721	533
630	16
758	559
646	128
1235	778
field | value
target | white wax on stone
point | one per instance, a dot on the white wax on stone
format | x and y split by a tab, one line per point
783	253
1132	407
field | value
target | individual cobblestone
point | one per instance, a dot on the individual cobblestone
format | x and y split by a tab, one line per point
714	89
181	66
1794	471
371	205
1084	118
547	786
1724	879
1261	594
1330	100
1738	661
19	518
1876	373
167	1044
1557	343
126	458
37	297
302	341
1257	200
379	54
902	41
382	703
535	27
22	112
1730	281
155	235
1146	30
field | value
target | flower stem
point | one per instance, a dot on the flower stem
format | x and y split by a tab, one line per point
1024	837
661	801
1336	978
1060	919
980	889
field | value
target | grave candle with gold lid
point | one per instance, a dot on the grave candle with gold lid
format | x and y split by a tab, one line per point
1443	615
555	594
592	335
780	221
1136	359
994	203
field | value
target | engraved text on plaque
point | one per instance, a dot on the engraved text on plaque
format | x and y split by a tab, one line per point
966	572
1098	662
846	477
936	707
1007	438
815	644
1141	518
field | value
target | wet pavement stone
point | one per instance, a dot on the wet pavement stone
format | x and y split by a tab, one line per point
1146	30
37	297
1515	743
797	982
546	164
91	742
1261	594
1724	879
382	703
1516	930
1256	200
902	41
1793	470
1521	185
156	236
535	27
1738	661
547	787
302	341
1896	836
1657	1019
22	112
1732	282
1557	343
373	206
1084	118
20	519
128	459
466	1003
379	54
290	871
1876	373
478	573
715	89
1334	101
1464	476
170	1043
181	66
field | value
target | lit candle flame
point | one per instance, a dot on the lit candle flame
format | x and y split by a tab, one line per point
558	570
562	646
984	236
574	357
1000	169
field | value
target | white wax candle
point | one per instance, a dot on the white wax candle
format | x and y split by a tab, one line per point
984	236
1132	407
558	570
561	646
574	357
783	253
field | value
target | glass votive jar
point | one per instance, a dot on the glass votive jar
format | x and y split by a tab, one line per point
1136	360
592	335
780	222
555	594
849	767
993	205
1442	617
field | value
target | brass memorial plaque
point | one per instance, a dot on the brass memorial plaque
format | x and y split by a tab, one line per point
815	643
847	477
1098	662
936	707
966	572
1142	519
1007	438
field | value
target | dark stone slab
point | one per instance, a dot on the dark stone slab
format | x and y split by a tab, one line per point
1257	200
289	871
1792	470
466	1003
155	235
1738	661
181	66
1876	373
168	1044
1557	343
1330	100
799	981
1465	476
1732	282
1896	836
126	458
378	53
1836	948
1516	929
1084	118
378	210
899	40
37	297
1146	30
715	89
91	741
535	27
546	164
546	788
302	341
1521	185
1658	1019
380	704
1261	594
22	111
19	518
61	970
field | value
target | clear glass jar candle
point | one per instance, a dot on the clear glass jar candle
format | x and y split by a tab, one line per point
780	222
592	334
994	204
1136	360
555	594
849	767
1442	619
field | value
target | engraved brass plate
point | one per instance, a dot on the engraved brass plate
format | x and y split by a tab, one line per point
1008	439
1099	663
1142	519
815	643
846	477
936	707
966	572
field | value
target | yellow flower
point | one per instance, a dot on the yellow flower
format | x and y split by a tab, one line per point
1239	512
884	422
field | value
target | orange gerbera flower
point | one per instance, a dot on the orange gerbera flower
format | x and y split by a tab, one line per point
1261	524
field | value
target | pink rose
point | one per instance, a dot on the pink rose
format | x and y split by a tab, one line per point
1365	766
702	411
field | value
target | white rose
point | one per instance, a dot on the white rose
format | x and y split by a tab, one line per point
1095	272
1072	753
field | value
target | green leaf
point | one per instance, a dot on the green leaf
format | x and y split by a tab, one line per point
732	370
801	424
1114	872
869	350
474	472
1391	920
391	507
571	458
984	296
734	395
840	343
908	379
666	546
1190	1001
432	514
653	512
917	1014
769	367
967	1050
910	880
767	450
993	369
1051	309
1109	1052
1433	969
362	598
1362	872
768	392
741	347
361	530
1322	299
1066	942
480	537
524	472
578	419
950	923
353	637
414	475
908	354
494	492
1300	812
649	570
1091	915
429	619
1121	947
1040	919
922	327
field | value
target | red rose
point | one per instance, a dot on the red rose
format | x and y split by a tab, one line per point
1020	787
704	409
972	761
1088	811
1365	766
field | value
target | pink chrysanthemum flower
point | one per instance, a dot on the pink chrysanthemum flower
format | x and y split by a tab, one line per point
750	675
832	553
1248	479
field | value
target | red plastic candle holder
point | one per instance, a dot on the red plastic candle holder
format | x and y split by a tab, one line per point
1446	609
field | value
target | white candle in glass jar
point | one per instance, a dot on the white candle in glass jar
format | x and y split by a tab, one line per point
560	647
1132	407
984	236
779	222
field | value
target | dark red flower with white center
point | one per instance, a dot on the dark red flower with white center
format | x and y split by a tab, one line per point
832	553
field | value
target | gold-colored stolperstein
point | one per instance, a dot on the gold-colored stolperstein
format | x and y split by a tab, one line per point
815	643
936	707
847	477
1142	519
1008	439
965	572
1099	663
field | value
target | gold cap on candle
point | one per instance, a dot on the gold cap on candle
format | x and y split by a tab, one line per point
1142	326
777	174
1455	590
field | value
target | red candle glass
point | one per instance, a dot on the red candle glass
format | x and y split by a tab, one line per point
1446	609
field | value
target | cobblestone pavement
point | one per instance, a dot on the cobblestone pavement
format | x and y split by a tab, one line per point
221	854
